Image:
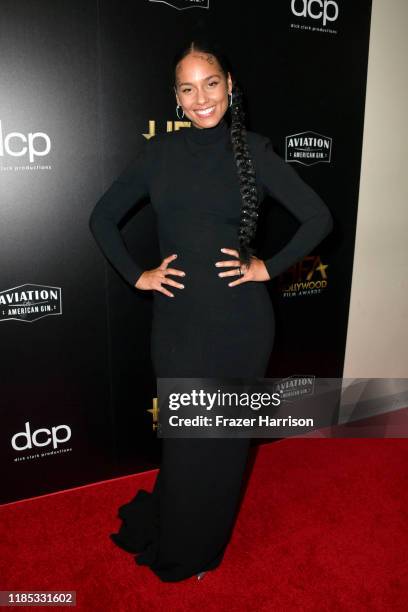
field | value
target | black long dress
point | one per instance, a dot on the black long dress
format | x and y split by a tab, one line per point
207	330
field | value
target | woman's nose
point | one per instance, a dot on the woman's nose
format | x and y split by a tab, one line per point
201	98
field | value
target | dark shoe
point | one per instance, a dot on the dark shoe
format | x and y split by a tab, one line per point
200	575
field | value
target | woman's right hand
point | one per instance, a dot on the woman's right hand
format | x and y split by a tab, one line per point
154	279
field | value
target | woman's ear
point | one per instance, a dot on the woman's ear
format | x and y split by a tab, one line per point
229	82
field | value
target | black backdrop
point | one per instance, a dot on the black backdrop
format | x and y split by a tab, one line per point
82	83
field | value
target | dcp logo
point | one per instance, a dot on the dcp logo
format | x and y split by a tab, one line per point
41	437
328	10
17	144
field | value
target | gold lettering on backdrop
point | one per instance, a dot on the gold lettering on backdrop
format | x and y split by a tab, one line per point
171	126
152	130
177	125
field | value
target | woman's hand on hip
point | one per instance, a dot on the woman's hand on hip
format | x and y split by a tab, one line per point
256	271
154	279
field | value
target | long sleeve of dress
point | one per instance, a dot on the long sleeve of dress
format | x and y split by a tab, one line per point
285	185
124	193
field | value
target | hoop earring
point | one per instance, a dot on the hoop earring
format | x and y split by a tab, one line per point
177	111
230	104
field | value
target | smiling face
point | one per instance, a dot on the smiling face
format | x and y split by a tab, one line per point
202	86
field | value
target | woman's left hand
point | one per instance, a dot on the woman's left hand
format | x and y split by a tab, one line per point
256	271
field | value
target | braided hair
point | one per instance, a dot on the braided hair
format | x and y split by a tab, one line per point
245	167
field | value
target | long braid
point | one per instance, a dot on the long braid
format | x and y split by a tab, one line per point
247	177
245	167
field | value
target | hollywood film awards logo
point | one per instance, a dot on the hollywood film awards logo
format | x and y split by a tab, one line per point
308	148
28	147
316	15
306	277
29	303
180	5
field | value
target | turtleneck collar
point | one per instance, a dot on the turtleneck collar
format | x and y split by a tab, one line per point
204	136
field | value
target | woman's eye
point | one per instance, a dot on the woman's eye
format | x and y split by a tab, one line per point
188	88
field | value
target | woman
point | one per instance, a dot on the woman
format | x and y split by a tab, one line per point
212	314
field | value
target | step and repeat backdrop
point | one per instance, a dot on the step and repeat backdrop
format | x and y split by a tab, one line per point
82	84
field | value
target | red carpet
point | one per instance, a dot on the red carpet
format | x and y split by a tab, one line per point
323	526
